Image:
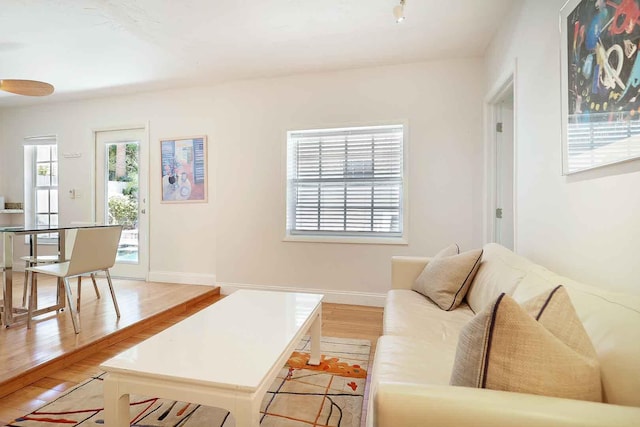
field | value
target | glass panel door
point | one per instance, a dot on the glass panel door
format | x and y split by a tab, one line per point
121	196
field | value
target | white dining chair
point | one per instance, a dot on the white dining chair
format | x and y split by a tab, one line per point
94	250
32	261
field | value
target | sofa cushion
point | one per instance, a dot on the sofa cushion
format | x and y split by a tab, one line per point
411	314
532	285
505	348
446	279
410	359
500	271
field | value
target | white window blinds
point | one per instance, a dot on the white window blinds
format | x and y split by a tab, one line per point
346	182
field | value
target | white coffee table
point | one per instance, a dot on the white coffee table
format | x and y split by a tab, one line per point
226	355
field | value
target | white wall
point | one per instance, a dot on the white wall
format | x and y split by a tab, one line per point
173	227
442	103
587	225
237	236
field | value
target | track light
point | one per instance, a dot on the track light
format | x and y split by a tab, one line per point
398	12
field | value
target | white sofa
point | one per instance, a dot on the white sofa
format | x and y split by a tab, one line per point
415	356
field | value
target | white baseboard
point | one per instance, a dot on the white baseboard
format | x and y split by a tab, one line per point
332	296
183	278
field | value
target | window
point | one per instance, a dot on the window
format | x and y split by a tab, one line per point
346	183
41	183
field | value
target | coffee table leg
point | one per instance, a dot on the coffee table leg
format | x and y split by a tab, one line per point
116	405
247	413
316	332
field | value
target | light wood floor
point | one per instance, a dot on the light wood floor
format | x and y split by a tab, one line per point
44	341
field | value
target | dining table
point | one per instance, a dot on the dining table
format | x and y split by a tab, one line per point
11	314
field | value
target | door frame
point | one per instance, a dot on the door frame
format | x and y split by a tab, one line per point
146	147
507	81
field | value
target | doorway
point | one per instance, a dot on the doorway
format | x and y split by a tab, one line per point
121	195
501	166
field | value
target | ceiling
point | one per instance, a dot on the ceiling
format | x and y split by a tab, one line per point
89	48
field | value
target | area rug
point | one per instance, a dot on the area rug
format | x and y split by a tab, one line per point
327	395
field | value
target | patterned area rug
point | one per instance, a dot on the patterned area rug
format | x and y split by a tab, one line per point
327	395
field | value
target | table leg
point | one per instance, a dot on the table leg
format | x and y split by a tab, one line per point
316	333
33	241
7	290
116	405
247	412
62	256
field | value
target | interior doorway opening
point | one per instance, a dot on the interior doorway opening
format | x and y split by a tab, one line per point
501	166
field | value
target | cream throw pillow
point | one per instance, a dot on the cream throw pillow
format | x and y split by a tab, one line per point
452	249
446	278
505	348
556	313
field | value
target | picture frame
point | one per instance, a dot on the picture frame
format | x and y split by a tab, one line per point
184	169
600	83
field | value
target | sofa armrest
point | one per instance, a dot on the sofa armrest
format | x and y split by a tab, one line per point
405	270
405	404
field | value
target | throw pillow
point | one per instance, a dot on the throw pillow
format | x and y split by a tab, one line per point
452	249
446	278
505	348
554	310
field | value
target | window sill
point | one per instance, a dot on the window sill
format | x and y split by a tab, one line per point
347	239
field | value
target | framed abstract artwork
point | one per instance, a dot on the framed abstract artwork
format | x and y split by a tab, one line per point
184	169
600	82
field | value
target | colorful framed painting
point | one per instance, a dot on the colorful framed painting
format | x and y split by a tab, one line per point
184	169
600	83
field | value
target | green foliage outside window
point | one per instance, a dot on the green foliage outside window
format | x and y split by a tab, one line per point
124	211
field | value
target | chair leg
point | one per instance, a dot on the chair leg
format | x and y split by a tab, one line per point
95	285
33	300
60	297
72	310
79	294
113	294
26	283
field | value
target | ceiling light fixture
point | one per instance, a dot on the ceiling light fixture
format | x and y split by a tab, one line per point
26	87
398	12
